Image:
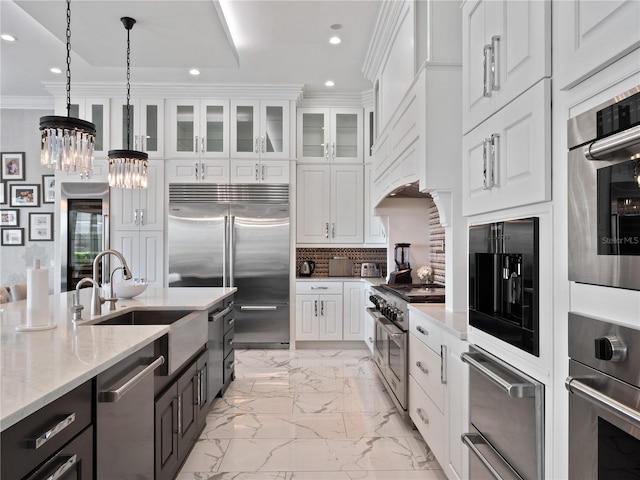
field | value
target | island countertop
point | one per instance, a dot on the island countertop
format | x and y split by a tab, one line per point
38	367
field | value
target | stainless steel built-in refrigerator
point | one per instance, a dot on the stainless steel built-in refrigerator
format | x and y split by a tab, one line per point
235	235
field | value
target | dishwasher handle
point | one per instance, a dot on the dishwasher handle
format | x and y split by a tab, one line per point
471	439
514	390
112	396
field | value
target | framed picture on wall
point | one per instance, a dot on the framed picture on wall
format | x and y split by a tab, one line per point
23	195
9	218
12	236
48	189
41	227
12	166
3	193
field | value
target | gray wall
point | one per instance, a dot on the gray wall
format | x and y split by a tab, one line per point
19	132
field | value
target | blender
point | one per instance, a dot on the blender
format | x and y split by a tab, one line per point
402	273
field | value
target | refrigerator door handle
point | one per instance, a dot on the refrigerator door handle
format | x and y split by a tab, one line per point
258	308
231	250
224	251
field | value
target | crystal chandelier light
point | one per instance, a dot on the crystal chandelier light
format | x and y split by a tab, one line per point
67	143
128	168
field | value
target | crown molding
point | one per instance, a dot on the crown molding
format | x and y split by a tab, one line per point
184	90
27	103
389	19
331	99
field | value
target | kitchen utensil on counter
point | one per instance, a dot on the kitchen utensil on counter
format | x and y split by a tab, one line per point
370	270
307	267
402	273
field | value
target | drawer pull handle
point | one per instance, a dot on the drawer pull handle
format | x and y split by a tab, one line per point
230	365
231	321
61	471
112	396
422	368
422	330
216	316
230	342
52	432
423	416
319	288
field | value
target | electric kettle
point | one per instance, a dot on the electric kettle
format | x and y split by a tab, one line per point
307	268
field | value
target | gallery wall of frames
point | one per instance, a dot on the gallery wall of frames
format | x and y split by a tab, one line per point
27	197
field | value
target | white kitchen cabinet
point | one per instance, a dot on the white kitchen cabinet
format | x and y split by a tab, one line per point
589	35
330	135
507	159
95	110
353	298
330	204
319	315
374	226
137	217
198	128
146	126
438	391
144	252
259	171
506	49
260	129
198	171
140	208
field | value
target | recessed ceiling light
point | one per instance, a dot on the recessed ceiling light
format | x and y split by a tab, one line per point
55	70
194	71
336	26
8	37
329	83
334	40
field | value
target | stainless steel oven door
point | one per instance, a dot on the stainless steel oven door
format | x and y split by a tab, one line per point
390	355
604	425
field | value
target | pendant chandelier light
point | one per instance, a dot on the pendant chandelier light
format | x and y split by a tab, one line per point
128	168
67	143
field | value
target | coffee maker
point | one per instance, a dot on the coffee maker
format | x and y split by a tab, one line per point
402	273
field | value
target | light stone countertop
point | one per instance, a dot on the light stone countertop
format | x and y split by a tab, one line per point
369	280
454	322
39	367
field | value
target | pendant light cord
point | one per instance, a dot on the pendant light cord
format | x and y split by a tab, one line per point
68	58
128	89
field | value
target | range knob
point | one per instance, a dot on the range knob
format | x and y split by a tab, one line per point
610	348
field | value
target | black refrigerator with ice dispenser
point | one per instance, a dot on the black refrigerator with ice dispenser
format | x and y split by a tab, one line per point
222	235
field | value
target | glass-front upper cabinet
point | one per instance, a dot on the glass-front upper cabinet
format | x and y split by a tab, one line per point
260	129
146	126
330	135
95	110
198	128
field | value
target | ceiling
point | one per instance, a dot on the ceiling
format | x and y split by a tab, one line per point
257	42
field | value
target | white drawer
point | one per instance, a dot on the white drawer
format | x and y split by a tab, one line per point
429	420
426	331
424	367
319	288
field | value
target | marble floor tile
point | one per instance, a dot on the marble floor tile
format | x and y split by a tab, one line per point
308	415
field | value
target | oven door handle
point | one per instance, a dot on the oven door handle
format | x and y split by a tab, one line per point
514	390
620	410
471	439
603	149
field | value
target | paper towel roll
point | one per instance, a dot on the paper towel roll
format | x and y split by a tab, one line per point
38	288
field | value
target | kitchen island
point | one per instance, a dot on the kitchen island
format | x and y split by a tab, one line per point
40	367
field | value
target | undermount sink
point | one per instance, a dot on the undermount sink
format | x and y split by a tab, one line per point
188	333
146	317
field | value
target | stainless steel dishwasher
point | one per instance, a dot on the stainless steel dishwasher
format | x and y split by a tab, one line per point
506	417
125	417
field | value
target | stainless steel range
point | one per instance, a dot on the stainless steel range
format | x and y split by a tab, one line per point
391	341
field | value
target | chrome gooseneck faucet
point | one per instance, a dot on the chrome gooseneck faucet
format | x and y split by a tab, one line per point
96	299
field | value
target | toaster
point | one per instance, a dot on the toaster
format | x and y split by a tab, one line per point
368	269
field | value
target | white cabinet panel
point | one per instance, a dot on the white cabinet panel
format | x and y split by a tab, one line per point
146	126
318	317
507	159
196	171
133	209
353	319
258	171
590	35
330	135
347	204
198	128
313	203
506	50
260	129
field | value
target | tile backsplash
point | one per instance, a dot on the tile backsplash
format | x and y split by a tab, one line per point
436	243
359	255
